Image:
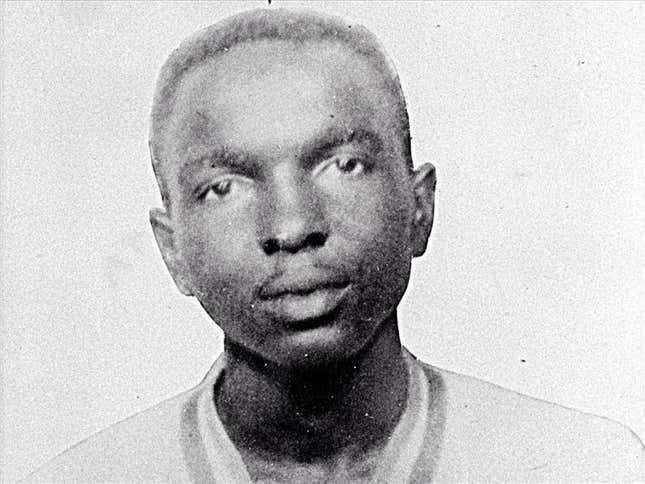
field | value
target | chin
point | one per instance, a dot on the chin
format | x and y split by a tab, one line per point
319	347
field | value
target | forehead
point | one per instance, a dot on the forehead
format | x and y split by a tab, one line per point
266	96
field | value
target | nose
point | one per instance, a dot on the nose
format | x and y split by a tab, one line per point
293	219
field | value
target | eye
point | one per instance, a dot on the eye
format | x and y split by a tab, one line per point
349	165
218	190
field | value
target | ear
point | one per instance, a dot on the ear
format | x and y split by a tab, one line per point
424	181
164	235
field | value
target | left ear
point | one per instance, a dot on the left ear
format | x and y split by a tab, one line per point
424	181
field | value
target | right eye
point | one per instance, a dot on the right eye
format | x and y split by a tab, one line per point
218	190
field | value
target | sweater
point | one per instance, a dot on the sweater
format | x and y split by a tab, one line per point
454	429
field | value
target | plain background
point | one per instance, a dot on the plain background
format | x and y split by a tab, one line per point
532	113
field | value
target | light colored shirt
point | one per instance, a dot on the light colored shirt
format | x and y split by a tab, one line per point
454	429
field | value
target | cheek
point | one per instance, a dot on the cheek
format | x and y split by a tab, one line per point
376	215
221	260
218	249
379	234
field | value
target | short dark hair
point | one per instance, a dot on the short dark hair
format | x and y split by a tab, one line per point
263	24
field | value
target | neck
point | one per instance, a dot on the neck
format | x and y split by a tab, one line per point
300	414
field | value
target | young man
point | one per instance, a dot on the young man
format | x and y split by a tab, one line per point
281	145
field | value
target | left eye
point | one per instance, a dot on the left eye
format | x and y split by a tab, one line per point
349	166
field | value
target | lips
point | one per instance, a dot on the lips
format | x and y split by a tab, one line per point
301	284
303	297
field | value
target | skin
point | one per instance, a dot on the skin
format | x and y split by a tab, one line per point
294	221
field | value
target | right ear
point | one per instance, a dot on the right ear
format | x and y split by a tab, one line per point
164	235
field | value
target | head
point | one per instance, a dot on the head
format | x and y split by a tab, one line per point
292	211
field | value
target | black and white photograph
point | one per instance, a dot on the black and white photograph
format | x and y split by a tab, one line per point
322	242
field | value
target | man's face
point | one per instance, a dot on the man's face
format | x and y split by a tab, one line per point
292	205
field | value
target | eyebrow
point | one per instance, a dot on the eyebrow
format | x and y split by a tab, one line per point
222	157
335	137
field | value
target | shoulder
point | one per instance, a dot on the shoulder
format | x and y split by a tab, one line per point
497	434
144	447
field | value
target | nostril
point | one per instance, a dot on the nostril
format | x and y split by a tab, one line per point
315	239
311	241
270	246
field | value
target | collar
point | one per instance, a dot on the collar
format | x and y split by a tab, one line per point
212	457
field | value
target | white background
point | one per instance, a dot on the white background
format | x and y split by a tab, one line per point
532	113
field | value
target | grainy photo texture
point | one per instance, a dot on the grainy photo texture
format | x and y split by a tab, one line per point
299	196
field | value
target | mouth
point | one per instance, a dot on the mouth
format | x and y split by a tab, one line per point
303	303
